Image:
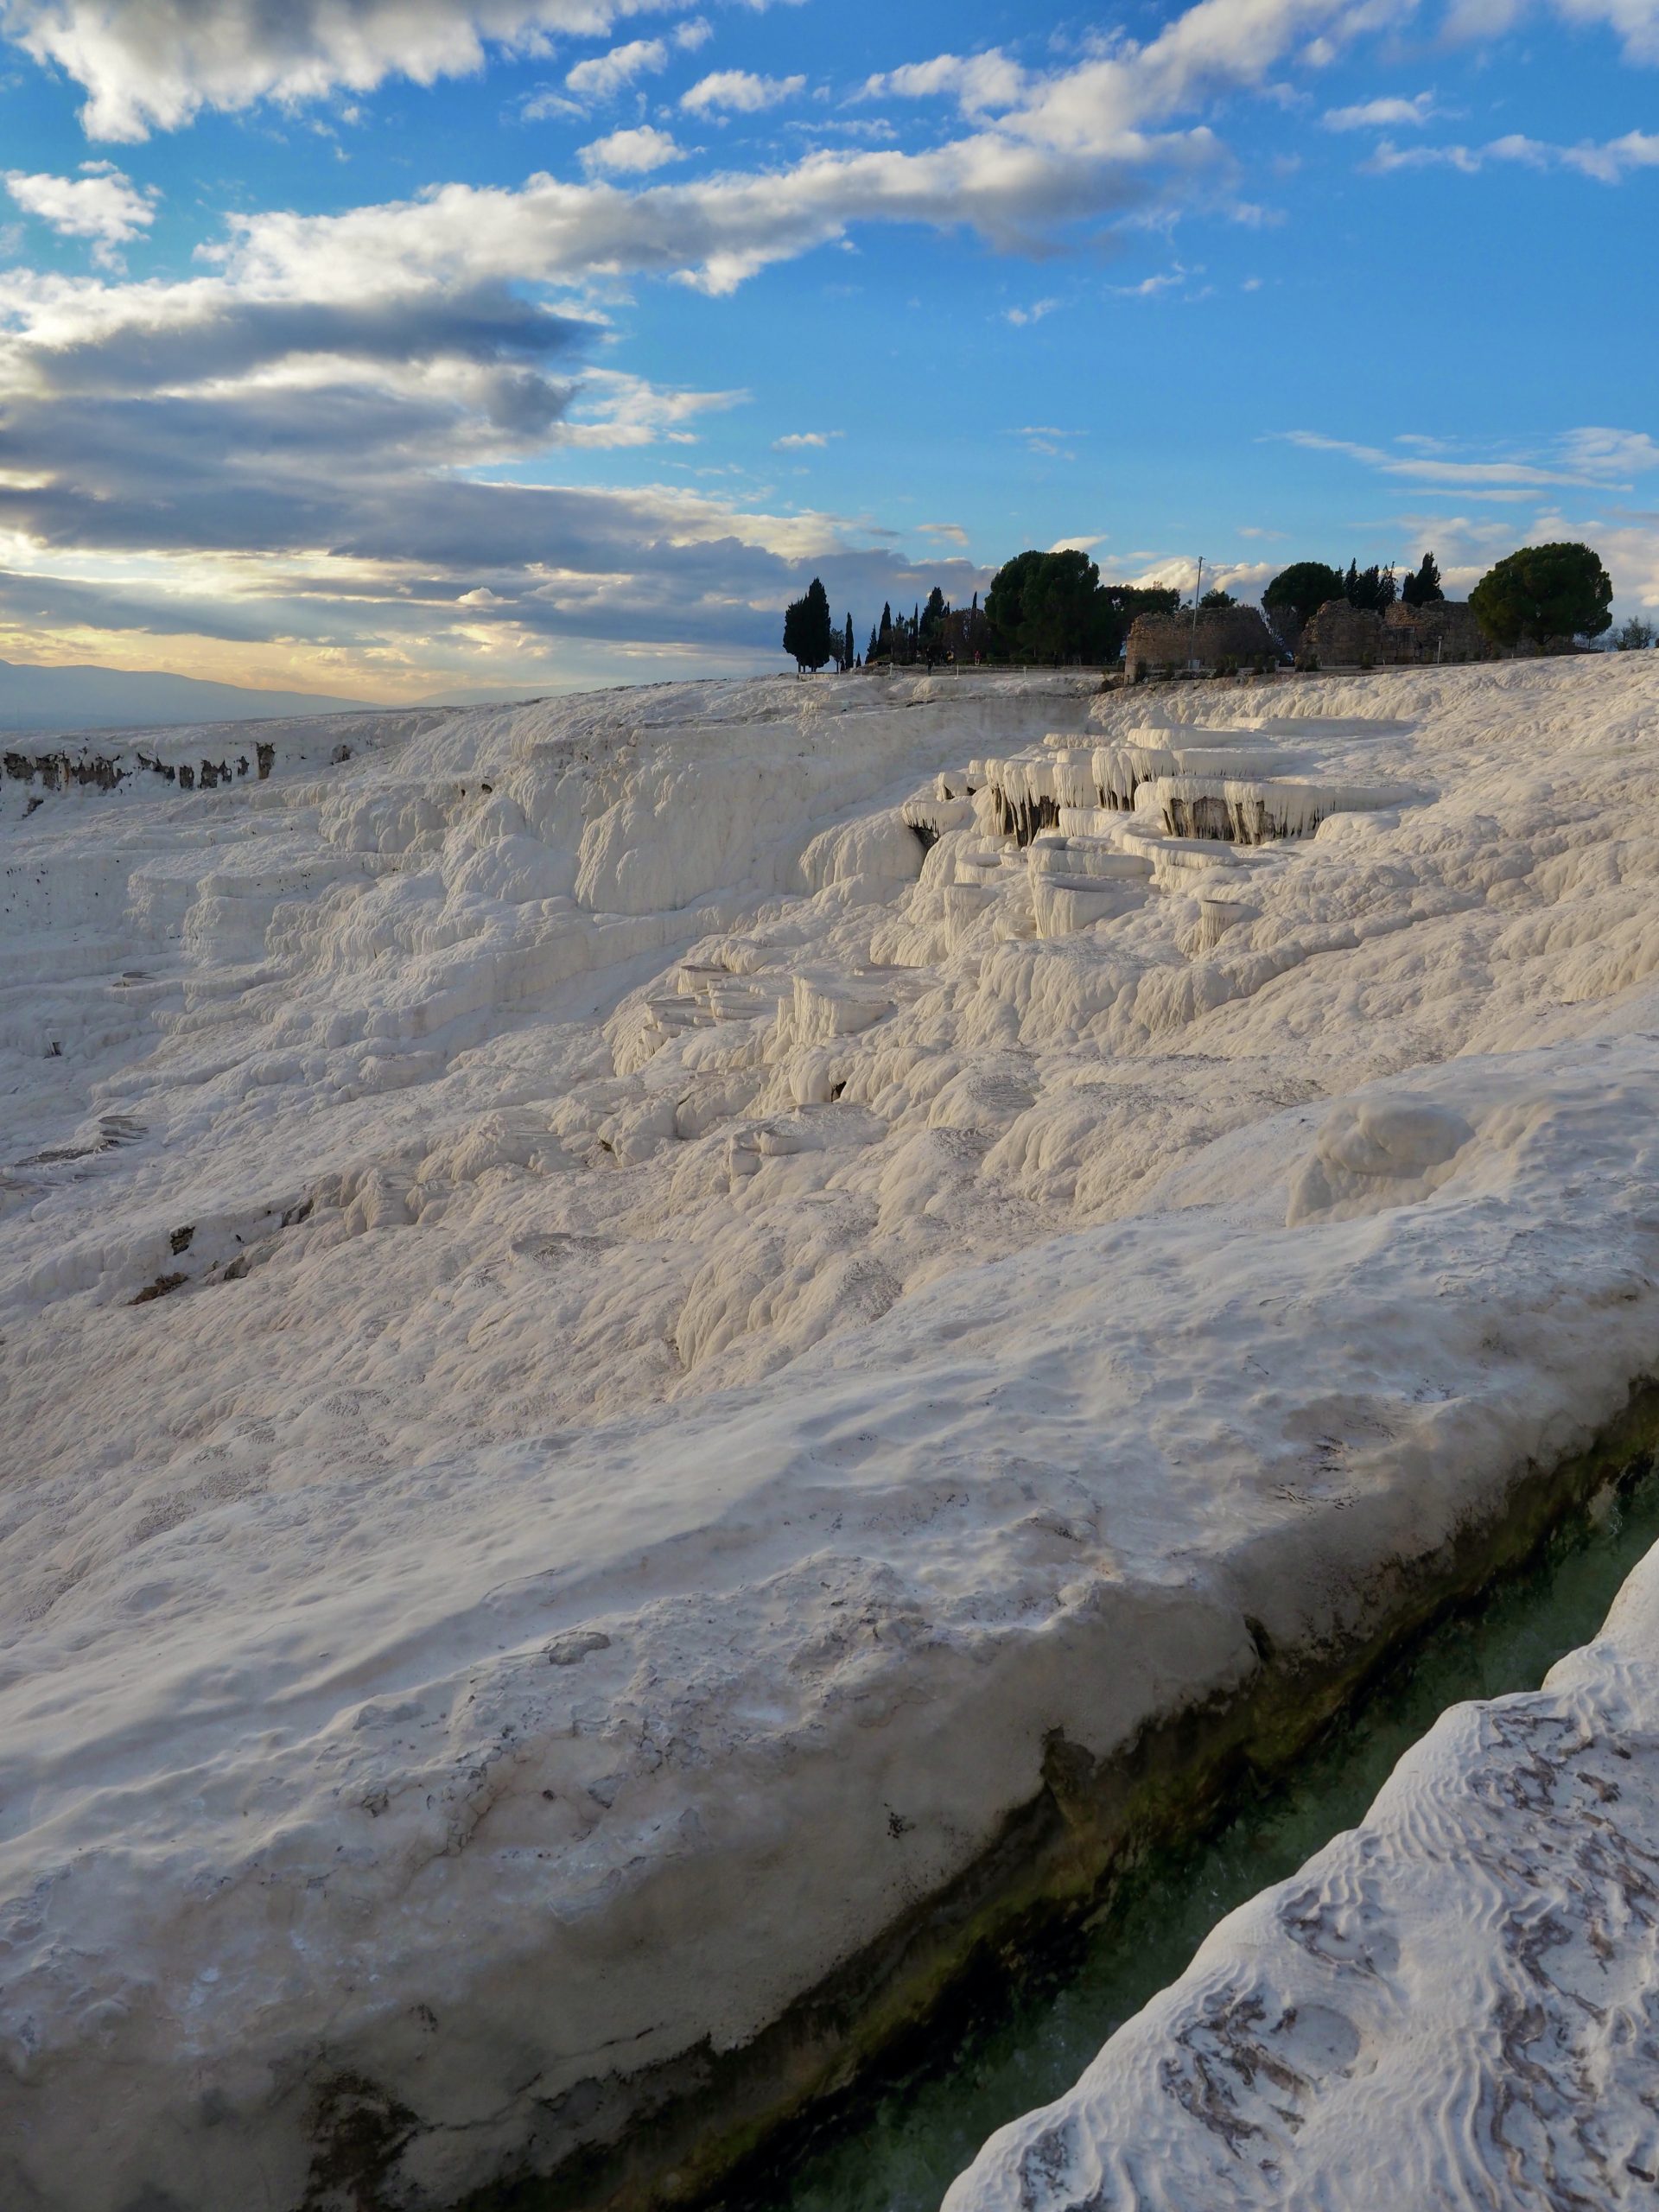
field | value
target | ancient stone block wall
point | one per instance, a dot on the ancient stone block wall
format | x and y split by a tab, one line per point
1445	630
1341	636
1222	633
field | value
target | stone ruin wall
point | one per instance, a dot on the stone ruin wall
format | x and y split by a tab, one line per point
1224	634
1341	636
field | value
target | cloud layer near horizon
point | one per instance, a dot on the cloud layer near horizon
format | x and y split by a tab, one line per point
340	426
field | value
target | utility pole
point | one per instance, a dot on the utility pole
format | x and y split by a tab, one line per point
1196	589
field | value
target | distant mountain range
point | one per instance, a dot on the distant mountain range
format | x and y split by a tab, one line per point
69	699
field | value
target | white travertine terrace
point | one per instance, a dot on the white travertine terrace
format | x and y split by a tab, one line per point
614	1313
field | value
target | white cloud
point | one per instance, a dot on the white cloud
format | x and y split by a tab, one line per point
713	233
948	533
1590	459
799	441
1167	280
631	153
154	64
1613	453
689	37
1019	317
603	76
1635	22
1614	160
1608	163
151	65
1382	114
101	204
1047	444
740	91
611	410
977	82
539	106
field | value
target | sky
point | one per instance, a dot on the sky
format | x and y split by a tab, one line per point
409	349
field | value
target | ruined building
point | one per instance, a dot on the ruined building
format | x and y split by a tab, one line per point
1341	636
1222	637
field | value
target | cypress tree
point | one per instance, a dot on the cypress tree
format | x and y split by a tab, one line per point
1423	589
807	635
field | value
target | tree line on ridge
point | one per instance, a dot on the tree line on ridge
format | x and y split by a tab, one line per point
1053	607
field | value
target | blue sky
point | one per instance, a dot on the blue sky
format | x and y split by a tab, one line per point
413	347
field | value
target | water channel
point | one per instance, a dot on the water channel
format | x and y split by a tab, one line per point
895	2146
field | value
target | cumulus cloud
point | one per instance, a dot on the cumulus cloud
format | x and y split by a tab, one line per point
741	91
799	441
154	64
150	65
976	82
1382	114
631	153
603	76
101	204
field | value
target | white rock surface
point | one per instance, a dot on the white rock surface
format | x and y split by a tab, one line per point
589	1367
1455	2004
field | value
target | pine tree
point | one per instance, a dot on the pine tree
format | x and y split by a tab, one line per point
1544	596
1302	589
848	651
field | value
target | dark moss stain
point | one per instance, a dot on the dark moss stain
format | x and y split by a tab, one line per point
358	2134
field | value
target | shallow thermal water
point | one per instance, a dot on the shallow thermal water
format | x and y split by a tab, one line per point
898	2148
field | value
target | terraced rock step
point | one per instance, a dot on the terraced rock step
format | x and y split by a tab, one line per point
988	1364
1456	2001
